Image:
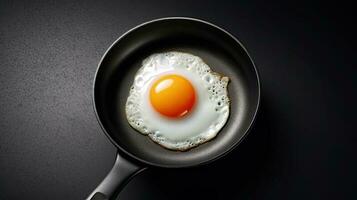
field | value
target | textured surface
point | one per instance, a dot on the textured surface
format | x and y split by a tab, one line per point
51	146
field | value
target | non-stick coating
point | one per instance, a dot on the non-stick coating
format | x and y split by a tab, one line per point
216	47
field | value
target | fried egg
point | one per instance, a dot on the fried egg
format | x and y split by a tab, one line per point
177	100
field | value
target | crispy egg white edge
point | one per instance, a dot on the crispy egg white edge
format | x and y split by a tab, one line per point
200	138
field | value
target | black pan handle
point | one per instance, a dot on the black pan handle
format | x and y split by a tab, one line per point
121	173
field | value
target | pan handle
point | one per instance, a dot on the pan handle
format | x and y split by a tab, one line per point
121	173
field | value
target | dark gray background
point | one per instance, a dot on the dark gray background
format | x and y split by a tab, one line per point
303	144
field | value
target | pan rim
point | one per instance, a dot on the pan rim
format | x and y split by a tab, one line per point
143	161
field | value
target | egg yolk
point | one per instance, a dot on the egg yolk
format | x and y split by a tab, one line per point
172	96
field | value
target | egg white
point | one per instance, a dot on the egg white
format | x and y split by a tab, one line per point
204	121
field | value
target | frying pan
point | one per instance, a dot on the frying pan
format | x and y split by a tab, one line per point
115	74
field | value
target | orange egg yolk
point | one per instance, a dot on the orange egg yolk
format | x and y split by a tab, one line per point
172	96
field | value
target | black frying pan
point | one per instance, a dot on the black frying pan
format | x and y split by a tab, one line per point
115	74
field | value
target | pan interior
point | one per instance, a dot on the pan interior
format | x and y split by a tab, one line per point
220	51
